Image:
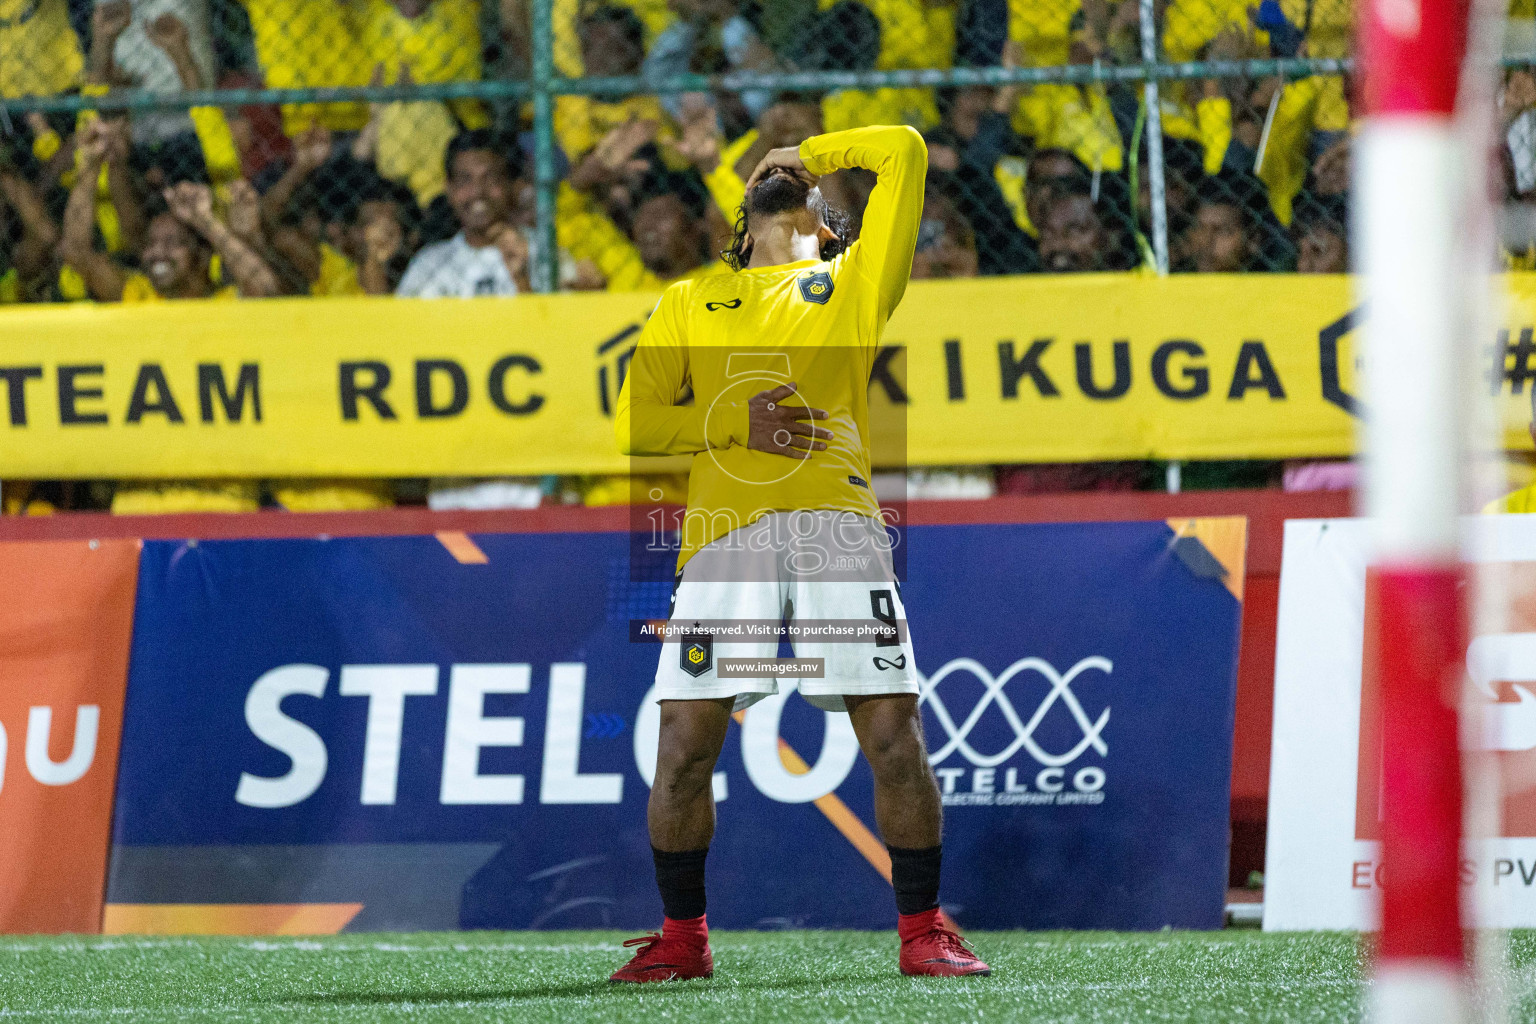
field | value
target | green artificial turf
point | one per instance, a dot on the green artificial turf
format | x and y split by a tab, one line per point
561	978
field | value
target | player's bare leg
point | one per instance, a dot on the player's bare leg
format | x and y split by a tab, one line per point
909	814
681	815
890	732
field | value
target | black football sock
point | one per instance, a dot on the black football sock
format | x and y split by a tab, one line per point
915	877
680	877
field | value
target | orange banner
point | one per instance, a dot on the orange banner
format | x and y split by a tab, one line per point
66	617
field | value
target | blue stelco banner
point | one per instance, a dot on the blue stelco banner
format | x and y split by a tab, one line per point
467	743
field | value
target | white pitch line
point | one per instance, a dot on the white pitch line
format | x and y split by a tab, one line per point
302	946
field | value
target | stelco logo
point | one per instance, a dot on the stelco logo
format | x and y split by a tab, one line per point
394	693
1050	783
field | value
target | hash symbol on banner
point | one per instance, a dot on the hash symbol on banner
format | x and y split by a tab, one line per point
1512	363
1023	732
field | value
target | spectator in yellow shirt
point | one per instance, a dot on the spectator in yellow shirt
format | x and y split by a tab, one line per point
612	44
303	44
367	229
180	243
39	52
436	40
654	16
887	35
176	260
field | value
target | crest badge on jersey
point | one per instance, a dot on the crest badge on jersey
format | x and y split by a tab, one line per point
817	288
697	653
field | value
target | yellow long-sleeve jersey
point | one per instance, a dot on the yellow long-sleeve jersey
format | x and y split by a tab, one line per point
817	323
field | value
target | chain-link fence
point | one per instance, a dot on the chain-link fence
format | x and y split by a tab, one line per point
430	147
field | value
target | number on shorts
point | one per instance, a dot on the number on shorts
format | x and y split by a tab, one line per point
884	609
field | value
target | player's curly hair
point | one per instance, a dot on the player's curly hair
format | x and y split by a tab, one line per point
777	198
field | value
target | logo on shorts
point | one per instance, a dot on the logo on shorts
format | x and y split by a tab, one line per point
898	662
697	653
817	288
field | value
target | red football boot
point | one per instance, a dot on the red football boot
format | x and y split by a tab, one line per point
678	953
930	948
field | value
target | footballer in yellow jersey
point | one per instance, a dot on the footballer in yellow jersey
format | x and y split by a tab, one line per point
762	376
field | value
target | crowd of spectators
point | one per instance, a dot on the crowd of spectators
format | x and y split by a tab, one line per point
435	199
430	198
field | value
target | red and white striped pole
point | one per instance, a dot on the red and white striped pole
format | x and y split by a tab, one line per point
1409	181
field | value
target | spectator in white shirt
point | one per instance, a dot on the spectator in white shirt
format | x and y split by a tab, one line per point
489	255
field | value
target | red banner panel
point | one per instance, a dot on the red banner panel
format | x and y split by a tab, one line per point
66	615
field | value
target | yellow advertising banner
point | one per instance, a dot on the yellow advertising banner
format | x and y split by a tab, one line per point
993	370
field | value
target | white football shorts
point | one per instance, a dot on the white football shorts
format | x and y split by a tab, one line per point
824	578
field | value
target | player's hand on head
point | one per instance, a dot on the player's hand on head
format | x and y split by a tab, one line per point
781	423
785	159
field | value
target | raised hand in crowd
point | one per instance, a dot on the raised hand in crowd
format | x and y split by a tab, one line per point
108	21
310	152
383	240
55	151
514	253
104	278
1007	96
244	214
33	253
92	143
701	139
1519	94
104	142
121	189
365	145
613	159
192	204
170	34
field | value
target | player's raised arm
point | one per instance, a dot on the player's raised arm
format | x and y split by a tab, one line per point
899	159
649	421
